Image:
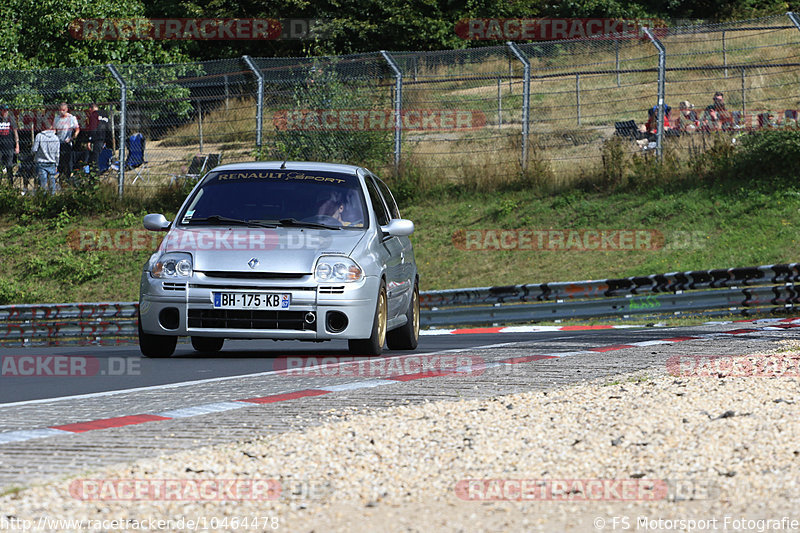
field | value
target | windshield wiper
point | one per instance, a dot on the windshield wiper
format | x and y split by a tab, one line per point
225	220
302	224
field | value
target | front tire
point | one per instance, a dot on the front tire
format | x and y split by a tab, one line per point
156	346
406	337
374	344
207	344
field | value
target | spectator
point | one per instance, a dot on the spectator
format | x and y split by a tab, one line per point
790	119
67	129
651	127
716	117
9	143
768	121
687	119
99	130
46	150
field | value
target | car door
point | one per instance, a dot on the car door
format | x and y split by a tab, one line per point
391	248
407	265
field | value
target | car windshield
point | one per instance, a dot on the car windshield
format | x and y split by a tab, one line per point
259	197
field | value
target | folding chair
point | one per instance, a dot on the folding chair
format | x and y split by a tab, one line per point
628	129
212	161
199	165
136	160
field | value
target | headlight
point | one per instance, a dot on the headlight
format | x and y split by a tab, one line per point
337	269
173	265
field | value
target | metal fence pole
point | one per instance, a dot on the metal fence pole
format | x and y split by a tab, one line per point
578	96
398	108
795	20
123	113
260	104
499	103
744	101
616	62
662	71
227	91
724	54
200	123
526	99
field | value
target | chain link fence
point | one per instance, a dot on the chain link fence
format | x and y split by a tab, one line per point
552	109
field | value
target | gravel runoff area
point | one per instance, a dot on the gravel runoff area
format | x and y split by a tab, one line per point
650	451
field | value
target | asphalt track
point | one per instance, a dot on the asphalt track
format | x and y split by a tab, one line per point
62	424
123	367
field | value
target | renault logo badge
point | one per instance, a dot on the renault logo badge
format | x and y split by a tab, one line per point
253	262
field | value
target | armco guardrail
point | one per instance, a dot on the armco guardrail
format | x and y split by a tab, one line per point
74	323
745	291
720	291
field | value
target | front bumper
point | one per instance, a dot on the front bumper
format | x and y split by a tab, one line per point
170	307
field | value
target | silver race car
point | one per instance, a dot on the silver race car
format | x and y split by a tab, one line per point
307	251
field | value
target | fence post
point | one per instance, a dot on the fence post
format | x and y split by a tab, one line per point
795	20
227	91
499	103
578	96
744	101
398	108
123	113
260	103
200	122
724	54
662	69
616	62
526	99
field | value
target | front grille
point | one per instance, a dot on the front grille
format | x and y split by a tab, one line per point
272	288
253	275
170	286
248	319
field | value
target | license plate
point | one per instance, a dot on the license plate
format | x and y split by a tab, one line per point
251	300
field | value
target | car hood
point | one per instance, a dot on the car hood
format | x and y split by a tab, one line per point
278	250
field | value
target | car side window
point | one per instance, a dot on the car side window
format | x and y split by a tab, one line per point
388	197
377	202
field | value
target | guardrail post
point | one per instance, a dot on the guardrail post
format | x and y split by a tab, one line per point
526	99
260	101
398	108
662	72
123	113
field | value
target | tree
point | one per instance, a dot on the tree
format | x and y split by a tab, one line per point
37	35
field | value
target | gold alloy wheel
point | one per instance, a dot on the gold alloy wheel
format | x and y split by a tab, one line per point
381	318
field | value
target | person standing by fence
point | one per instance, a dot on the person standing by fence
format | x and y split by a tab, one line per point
99	133
9	143
46	151
67	130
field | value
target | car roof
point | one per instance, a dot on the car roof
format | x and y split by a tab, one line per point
291	165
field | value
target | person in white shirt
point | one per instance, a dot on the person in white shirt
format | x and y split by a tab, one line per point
67	130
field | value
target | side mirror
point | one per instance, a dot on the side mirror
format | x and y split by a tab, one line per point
399	227
156	222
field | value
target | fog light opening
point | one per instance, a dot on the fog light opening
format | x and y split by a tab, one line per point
336	321
169	318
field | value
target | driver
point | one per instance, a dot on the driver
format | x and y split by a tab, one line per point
334	209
